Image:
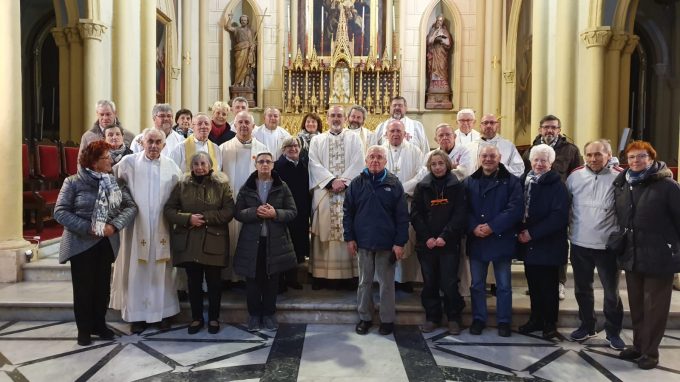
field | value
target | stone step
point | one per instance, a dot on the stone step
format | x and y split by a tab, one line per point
41	300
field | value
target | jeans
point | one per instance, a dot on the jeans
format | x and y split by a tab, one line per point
501	267
195	272
440	273
377	263
584	261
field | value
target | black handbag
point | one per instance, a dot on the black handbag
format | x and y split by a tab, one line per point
616	243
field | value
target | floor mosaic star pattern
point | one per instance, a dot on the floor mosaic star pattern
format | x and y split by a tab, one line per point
47	351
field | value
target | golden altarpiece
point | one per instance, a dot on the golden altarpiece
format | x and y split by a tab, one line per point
314	83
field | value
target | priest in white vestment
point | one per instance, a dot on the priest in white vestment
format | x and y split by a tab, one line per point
415	132
270	133
162	121
143	286
405	160
238	162
355	124
335	158
198	141
509	155
465	133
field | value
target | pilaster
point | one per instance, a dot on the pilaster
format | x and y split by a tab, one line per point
203	56
612	72
539	62
624	81
75	42
592	117
563	104
186	54
125	82
91	33
65	125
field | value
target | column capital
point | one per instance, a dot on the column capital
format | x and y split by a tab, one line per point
509	77
618	41
174	72
59	36
596	37
73	35
90	29
631	44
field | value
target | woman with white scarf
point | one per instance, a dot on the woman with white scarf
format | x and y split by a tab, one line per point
93	208
113	135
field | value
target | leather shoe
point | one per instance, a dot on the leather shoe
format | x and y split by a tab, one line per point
164	325
138	327
363	327
195	327
630	354
84	339
504	329
646	362
213	327
428	326
454	327
477	327
104	333
550	331
529	327
386	328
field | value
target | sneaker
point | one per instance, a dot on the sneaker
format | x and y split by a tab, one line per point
363	327
454	327
560	291
530	327
270	323
646	362
630	354
253	323
582	334
428	326
504	329
477	327
615	342
386	328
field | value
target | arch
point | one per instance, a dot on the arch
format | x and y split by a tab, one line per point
624	15
456	29
255	10
661	55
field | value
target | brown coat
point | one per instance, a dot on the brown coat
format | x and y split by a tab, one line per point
208	244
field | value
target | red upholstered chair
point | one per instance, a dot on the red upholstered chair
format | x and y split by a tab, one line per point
48	172
33	202
69	156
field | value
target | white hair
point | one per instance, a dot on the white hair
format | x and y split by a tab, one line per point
465	111
542	149
150	130
382	150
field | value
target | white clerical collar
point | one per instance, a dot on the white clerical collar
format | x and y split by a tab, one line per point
153	161
246	143
335	132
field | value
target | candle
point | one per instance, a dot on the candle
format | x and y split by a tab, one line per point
363	19
393	18
322	20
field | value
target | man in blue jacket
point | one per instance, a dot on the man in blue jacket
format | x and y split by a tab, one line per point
375	226
495	207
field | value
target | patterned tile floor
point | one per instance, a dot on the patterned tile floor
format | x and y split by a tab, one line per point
47	351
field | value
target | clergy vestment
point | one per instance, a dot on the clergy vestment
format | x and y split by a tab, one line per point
366	136
143	286
332	156
179	154
271	138
238	162
172	140
415	132
509	155
463	139
406	162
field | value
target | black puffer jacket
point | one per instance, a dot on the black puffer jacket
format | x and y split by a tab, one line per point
567	157
280	253
650	211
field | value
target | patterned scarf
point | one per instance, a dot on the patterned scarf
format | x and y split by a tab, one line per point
635	177
530	180
117	154
109	197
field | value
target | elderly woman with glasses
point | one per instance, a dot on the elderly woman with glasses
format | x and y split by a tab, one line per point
543	239
199	208
264	206
647	204
93	208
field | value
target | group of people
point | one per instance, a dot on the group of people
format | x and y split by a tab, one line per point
254	202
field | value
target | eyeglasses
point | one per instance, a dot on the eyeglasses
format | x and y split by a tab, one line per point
336	115
639	156
264	161
489	122
550	127
164	115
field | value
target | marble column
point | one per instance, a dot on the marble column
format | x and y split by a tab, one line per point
610	123
539	62
293	28
65	124
566	63
389	27
203	56
148	61
492	59
12	244
125	67
624	83
186	54
592	114
91	33
78	124
508	106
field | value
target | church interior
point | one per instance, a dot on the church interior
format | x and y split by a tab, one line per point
607	68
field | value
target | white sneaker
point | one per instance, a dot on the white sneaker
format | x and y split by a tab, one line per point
560	292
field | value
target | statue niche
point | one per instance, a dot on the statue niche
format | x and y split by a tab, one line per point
244	58
439	44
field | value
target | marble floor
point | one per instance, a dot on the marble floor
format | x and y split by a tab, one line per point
47	351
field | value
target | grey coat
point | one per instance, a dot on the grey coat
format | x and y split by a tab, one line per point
280	253
208	244
74	209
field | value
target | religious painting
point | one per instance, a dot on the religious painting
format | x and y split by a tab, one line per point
161	61
358	16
